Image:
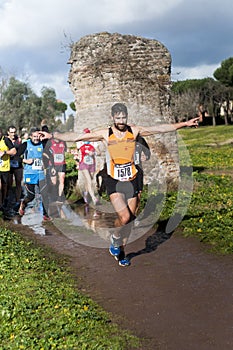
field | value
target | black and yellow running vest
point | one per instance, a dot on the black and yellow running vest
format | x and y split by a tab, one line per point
121	156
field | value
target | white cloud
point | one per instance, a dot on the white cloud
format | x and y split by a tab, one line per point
198	72
121	11
28	23
57	81
37	23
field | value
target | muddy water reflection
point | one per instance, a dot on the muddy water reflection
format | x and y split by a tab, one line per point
88	225
97	224
81	223
95	217
33	218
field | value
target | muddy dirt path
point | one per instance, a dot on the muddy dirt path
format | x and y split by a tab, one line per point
175	295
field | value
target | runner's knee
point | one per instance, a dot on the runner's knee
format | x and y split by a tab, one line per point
126	218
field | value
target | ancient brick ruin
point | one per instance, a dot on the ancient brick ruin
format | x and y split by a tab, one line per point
108	68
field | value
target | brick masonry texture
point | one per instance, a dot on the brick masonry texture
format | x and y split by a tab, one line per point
108	68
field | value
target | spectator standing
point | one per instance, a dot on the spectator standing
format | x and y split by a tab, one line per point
16	169
7	149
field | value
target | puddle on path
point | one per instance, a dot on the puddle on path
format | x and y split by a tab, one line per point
87	225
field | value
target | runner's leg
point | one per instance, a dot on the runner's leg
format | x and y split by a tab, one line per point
18	183
61	179
88	184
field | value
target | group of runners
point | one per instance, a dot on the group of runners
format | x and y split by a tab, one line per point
39	162
31	164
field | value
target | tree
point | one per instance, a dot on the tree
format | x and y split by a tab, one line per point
224	74
14	105
185	98
72	106
199	96
62	107
48	105
20	106
70	123
3	83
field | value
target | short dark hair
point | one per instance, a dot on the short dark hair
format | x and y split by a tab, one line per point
45	128
34	129
118	108
11	127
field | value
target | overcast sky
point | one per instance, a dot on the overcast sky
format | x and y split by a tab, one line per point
35	34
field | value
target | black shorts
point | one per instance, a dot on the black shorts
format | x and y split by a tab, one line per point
128	188
58	168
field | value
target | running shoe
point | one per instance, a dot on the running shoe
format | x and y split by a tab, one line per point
115	246
124	262
21	209
47	218
114	251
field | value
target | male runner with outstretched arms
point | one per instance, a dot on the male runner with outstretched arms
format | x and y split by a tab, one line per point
121	183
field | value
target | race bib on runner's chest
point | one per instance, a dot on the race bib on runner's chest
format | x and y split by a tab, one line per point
37	164
58	158
123	172
88	160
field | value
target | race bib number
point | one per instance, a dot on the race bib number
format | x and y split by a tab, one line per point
88	160
14	163
37	164
1	162
58	158
123	172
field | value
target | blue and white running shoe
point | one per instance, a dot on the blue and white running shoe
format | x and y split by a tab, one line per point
115	245
124	262
114	251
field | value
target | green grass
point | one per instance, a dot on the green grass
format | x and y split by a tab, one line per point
199	143
210	214
41	307
206	135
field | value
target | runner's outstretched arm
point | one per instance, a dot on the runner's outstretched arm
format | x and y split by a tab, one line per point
73	137
163	128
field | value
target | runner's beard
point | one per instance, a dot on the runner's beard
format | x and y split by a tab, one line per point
121	127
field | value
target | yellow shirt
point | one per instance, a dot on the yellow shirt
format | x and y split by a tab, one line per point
121	151
4	160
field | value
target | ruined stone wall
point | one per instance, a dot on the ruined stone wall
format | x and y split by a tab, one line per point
108	68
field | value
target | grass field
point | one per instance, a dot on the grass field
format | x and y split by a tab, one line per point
210	214
41	308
